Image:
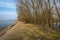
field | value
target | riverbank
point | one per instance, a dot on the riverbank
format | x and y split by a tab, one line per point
27	31
3	31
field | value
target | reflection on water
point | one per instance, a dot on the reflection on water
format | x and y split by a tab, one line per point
4	24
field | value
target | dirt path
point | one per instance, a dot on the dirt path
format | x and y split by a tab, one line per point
12	31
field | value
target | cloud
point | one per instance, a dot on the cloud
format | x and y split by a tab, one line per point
14	14
8	15
7	5
7	12
11	1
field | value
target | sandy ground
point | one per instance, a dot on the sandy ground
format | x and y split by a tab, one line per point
12	31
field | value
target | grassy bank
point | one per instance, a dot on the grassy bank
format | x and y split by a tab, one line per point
24	31
38	18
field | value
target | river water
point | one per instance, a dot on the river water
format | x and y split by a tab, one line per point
4	24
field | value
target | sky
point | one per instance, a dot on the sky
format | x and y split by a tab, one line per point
8	10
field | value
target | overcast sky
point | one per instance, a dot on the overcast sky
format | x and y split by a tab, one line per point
8	10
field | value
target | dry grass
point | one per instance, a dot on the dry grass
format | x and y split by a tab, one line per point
22	31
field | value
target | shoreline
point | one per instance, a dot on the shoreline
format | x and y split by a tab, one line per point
2	32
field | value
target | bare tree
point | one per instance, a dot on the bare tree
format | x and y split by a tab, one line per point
37	11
